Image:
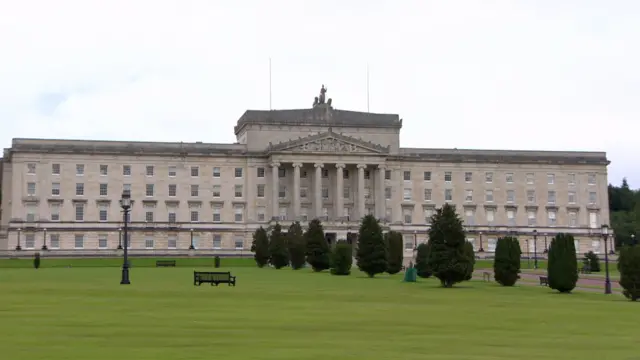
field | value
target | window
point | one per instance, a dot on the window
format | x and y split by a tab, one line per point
508	178
488	195
572	197
303	174
468	195
238	191
126	187
102	241
260	172
387	213
367	193
261	213
282	213
282	172
511	217
78	241
592	197
490	216
282	191
260	190
406	194
173	190
238	214
407	216
511	196
217	241
304	192
531	218
407	176
30	241
239	242
195	190
428	213
150	170
325	192
172	241
531	196
195	171
367	175
530	178
346	212
54	241
491	245
216	191
104	170
79	189
238	173
571	179
148	213
31	189
103	212
427	194
409	242
469	216
55	169
148	242
593	220
149	190
448	176
195	241
551	215
595	245
195	214
387	174
427	176
126	170
217	214
591	179
55	189
345	174
172	214
173	171
573	219
468	177
325	173
31	213
551	197
488	177
448	195
387	193
346	192
103	189
551	179
79	169
55	212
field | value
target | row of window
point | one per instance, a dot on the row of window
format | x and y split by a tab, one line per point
509	177
149	242
150	170
572	196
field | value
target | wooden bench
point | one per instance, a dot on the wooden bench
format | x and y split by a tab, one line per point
165	263
212	278
486	276
544	281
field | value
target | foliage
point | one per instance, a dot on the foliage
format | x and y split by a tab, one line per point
297	246
260	247
36	260
422	260
317	248
591	261
506	265
448	259
278	252
624	209
468	251
372	252
341	258
562	266
629	267
394	243
216	261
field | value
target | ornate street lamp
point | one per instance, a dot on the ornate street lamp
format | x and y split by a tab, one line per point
18	247
119	238
44	240
546	249
481	249
191	247
607	280
535	249
125	204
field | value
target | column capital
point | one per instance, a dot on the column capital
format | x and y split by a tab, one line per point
361	166
318	165
275	164
297	164
340	166
382	167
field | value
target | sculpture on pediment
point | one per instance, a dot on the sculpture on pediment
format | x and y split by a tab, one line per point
322	98
323	91
329	145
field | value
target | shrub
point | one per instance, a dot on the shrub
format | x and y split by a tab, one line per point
393	241
591	261
562	266
471	256
506	266
216	261
260	247
422	260
372	252
297	247
278	252
36	260
341	258
317	248
447	257
629	267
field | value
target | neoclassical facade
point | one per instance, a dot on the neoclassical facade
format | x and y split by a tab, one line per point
290	165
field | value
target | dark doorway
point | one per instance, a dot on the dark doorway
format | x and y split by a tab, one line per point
331	239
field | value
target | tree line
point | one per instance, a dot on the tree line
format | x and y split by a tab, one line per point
624	211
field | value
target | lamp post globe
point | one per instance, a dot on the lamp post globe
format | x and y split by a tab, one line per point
125	204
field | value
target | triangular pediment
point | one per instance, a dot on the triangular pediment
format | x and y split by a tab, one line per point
329	142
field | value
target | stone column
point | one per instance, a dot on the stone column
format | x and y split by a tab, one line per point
275	188
361	212
296	191
380	199
318	189
339	190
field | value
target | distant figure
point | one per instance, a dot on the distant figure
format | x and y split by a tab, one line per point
322	97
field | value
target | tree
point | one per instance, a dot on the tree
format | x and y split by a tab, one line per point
506	266
297	246
591	261
629	267
624	209
393	240
278	252
372	252
36	260
260	247
471	255
317	250
422	260
562	266
447	258
341	258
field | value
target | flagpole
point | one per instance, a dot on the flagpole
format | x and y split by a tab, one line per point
270	108
367	87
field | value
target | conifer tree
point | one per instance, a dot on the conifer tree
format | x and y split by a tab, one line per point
260	247
278	252
562	266
297	247
393	240
471	255
422	260
341	258
317	248
629	267
506	266
372	252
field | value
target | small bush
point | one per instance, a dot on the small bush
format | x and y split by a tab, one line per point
629	267
216	261
422	261
341	258
36	260
562	266
506	266
317	248
591	261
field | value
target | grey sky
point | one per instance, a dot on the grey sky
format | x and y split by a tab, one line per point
558	75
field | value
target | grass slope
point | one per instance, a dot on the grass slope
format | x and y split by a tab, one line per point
83	313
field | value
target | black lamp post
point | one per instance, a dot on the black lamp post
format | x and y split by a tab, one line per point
528	254
191	247
119	238
535	249
44	239
18	247
481	249
607	280
546	249
125	204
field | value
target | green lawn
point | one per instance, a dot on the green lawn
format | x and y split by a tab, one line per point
83	313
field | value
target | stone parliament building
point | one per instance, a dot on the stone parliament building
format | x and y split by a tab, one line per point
290	165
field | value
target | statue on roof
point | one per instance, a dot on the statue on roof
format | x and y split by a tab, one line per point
321	100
